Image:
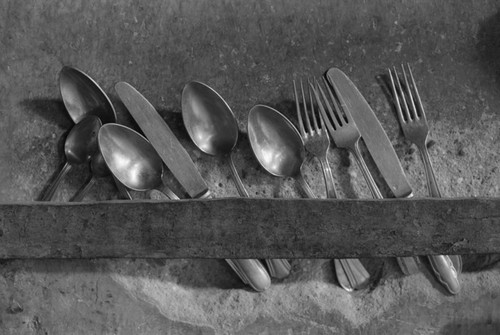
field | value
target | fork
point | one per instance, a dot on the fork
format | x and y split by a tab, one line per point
413	121
346	135
351	273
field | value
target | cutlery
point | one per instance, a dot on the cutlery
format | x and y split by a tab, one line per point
180	164
351	273
163	140
98	169
277	145
377	143
413	121
80	145
347	134
132	159
211	124
82	96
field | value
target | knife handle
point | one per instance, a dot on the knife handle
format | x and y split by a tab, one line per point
445	272
251	272
278	268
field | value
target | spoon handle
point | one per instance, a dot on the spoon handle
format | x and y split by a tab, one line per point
84	190
125	194
169	193
239	184
49	194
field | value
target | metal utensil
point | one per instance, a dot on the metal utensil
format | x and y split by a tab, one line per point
132	159
411	116
351	273
98	169
377	143
211	124
277	145
163	140
82	96
80	145
345	134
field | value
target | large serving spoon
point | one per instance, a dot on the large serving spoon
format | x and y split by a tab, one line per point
80	145
132	159
212	126
279	148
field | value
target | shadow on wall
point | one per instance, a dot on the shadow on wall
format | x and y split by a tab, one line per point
488	45
486	328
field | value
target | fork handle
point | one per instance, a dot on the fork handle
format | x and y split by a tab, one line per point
305	186
328	176
366	173
429	171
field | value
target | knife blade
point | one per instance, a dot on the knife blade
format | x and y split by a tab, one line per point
374	136
378	145
163	140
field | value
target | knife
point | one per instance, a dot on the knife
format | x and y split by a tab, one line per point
382	152
378	145
175	157
163	140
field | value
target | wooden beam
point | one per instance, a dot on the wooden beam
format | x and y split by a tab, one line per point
250	228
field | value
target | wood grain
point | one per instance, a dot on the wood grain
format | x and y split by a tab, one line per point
250	228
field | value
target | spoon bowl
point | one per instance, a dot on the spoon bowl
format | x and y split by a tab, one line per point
80	145
276	143
211	124
82	96
208	119
131	158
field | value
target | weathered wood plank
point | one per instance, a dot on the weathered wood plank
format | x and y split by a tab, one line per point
250	228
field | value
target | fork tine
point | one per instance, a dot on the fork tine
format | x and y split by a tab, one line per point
420	106
308	122
324	116
333	112
297	107
340	116
395	94
411	104
313	114
343	113
402	95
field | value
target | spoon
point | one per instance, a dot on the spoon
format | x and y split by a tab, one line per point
82	96
132	159
212	126
279	148
98	169
80	145
136	164
277	145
